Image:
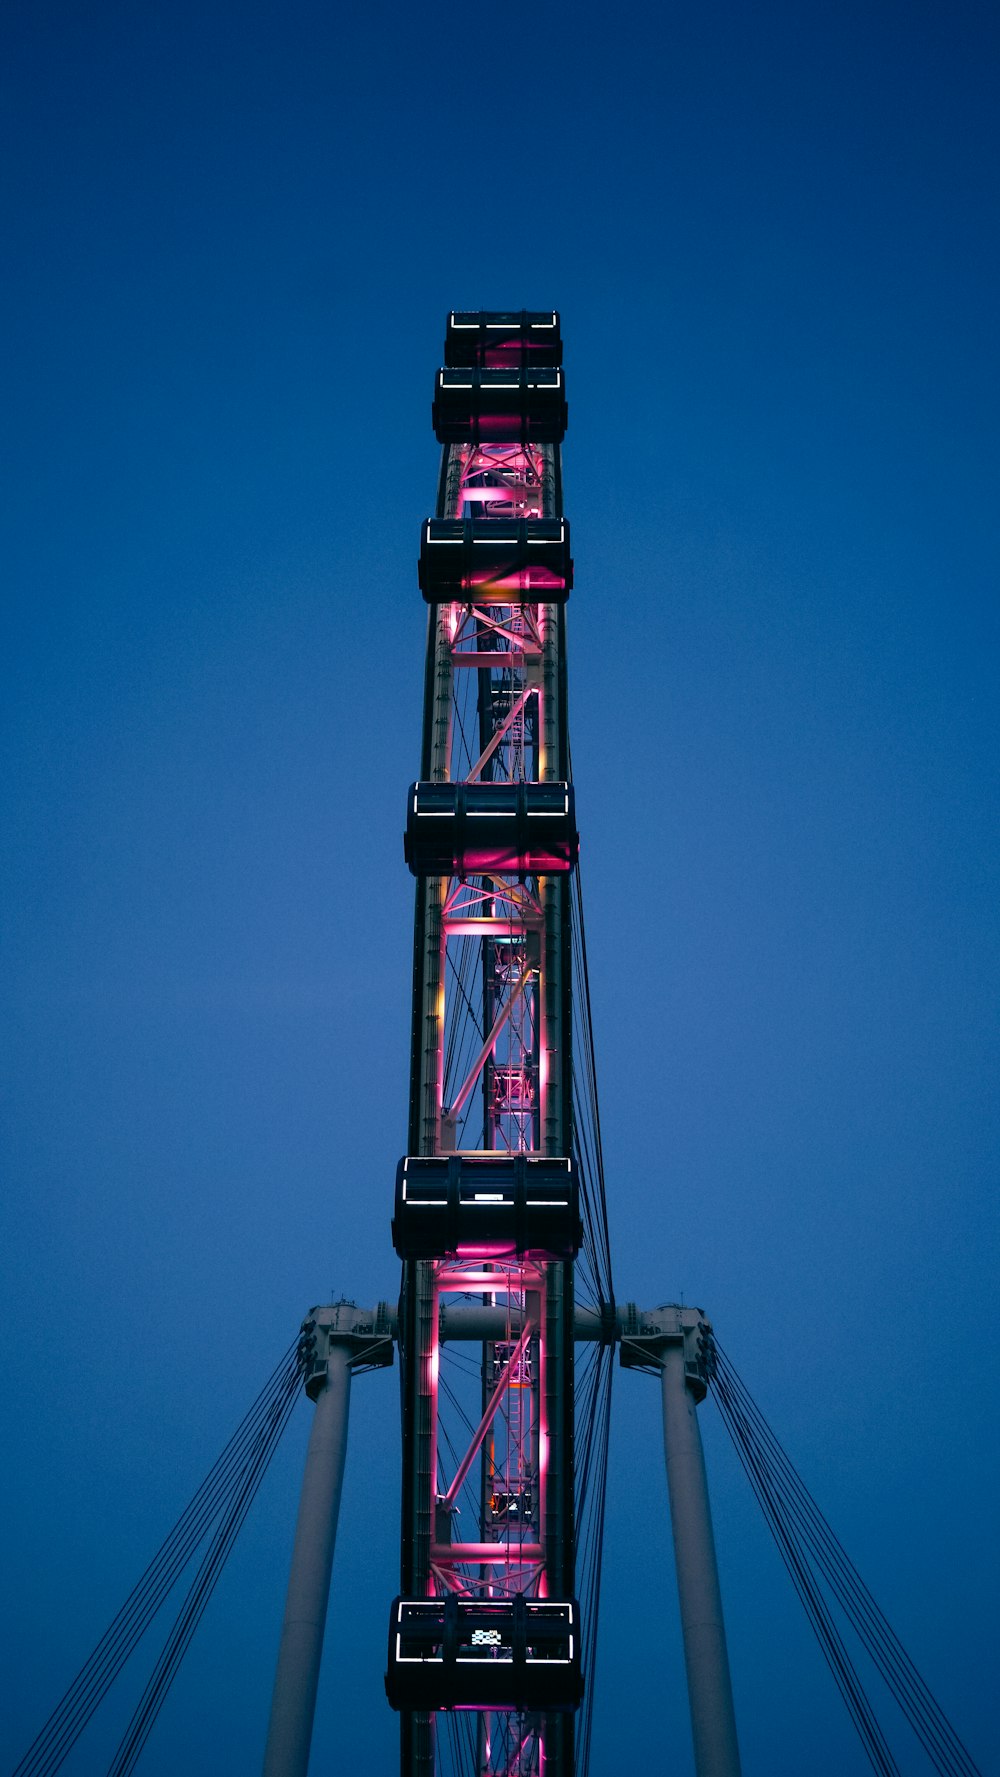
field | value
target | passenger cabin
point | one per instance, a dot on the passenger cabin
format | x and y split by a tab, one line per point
484	338
491	1653
504	559
486	1205
500	406
498	829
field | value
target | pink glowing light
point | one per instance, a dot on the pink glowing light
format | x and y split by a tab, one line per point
540	580
507	1282
484	928
490	493
483	860
488	1554
488	1249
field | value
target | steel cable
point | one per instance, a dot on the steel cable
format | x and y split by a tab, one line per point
593	1414
830	1641
75	1709
928	1721
804	1528
588	1118
590	1520
205	1581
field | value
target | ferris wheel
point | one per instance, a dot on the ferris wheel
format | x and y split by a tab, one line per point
506	1324
507	1327
499	1203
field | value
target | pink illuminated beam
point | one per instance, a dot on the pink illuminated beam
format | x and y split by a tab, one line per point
525	1743
456	926
537	581
458	1277
465	1090
484	1425
526	1555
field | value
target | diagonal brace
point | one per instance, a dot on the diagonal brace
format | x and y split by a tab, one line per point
488	1417
515	710
501	1019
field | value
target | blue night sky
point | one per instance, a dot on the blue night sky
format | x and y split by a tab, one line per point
232	234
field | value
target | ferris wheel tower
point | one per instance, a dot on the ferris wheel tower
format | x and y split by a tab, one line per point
499	1202
507	1325
487	1202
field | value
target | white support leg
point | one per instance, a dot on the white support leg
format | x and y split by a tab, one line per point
713	1720
297	1678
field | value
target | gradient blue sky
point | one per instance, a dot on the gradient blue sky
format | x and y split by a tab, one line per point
232	233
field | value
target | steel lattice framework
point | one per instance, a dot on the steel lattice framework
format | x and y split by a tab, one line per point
488	1624
499	1215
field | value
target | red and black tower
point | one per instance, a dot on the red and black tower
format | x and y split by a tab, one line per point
487	1215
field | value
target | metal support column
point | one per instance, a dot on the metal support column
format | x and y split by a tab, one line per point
677	1342
341	1338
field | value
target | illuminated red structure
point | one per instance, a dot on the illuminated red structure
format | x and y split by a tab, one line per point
507	1325
488	1508
499	1214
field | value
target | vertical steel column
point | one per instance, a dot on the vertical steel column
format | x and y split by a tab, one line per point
429	1134
294	1702
556	1136
543	1057
713	1721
